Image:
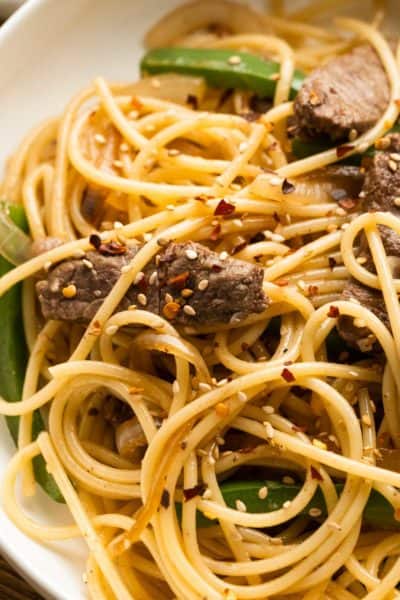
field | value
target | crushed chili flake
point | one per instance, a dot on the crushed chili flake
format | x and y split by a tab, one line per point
112	248
282	282
216	268
315	474
170	310
238	247
312	290
165	499
224	208
287	187
344	149
179	281
190	493
332	262
95	240
288	375
136	104
347	203
193	101
216	232
333	312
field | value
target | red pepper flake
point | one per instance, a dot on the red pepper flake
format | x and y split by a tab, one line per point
193	101
216	268
288	375
165	499
179	281
282	282
343	150
315	474
112	248
347	203
333	312
143	284
170	310
190	493
239	247
312	290
216	232
224	208
332	262
136	104
95	240
287	187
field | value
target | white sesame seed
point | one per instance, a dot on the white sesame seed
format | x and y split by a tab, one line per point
125	269
392	165
365	419
396	201
269	430
205	387
118	225
275	180
87	263
268	409
142	299
99	138
111	330
263	492
139	277
211	460
359	323
234	60
168	298
203	285
288	480
353	135
237	223
361	260
176	387
242	397
153	278
133	114
124	147
207	495
286	504
222	382
223	255
147	237
243	146
189	310
395	156
315	512
191	254
240	506
173	152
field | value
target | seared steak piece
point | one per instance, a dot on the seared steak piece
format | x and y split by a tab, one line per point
347	93
187	283
380	192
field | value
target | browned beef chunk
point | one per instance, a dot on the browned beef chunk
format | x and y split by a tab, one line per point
187	283
348	92
380	191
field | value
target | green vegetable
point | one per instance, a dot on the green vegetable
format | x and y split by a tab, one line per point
13	359
220	68
378	513
303	149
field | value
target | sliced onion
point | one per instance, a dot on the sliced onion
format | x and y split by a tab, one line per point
15	245
170	86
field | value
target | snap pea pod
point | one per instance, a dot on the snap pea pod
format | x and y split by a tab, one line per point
378	513
220	68
13	359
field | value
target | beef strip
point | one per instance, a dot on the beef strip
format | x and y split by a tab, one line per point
380	191
347	93
186	283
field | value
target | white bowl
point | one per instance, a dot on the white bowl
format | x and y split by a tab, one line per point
48	50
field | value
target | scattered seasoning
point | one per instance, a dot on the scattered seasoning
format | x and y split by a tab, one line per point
361	260
170	310
263	492
176	387
287	480
240	506
207	494
222	409
242	397
234	60
191	254
353	135
224	208
269	410
189	310
333	312
287	187
288	375
396	201
343	150
186	293
205	387
392	166
112	248
153	278
269	430
165	499
99	138
139	277
87	263
179	281
282	282
203	285
286	504
223	255
315	474
190	493
142	299
193	101
315	512
69	291
216	232
135	103
365	419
